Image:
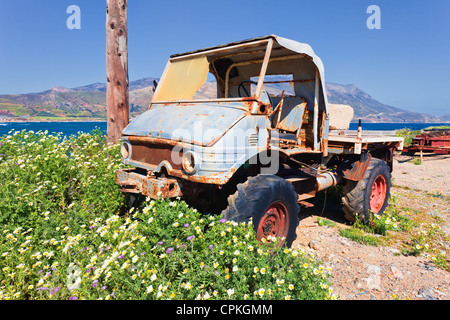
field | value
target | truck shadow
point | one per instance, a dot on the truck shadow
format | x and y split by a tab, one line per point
410	157
325	205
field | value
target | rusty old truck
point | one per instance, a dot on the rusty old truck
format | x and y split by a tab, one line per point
245	130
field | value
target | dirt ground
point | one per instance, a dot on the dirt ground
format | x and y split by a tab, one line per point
364	272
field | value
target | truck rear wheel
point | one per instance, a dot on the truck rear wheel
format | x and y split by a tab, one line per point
370	195
271	202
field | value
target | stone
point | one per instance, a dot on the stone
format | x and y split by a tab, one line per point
374	278
313	245
340	116
396	273
426	266
426	294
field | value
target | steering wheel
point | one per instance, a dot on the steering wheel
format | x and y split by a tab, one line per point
241	86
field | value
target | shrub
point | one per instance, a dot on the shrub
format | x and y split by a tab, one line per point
407	134
62	236
49	175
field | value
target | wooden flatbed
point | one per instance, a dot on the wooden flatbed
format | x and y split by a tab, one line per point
347	141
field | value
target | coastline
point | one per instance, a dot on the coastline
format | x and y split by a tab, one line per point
9	120
50	120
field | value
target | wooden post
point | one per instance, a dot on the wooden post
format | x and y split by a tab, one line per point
117	96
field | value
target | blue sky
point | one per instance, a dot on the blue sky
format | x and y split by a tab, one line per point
405	63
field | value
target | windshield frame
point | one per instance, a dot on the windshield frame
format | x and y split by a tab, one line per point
224	52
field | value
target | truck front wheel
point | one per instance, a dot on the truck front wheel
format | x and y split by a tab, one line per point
370	195
271	202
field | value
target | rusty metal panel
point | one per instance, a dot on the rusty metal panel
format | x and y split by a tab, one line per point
358	168
192	123
155	188
291	113
154	154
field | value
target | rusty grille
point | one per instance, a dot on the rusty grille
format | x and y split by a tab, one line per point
153	154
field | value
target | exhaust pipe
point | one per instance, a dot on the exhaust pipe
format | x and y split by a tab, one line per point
326	180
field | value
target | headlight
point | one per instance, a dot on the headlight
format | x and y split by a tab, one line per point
125	149
190	162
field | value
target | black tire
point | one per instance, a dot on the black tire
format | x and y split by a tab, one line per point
271	202
357	195
135	200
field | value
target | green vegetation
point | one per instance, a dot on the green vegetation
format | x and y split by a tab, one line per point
407	134
16	109
438	127
65	233
325	222
378	226
359	236
416	232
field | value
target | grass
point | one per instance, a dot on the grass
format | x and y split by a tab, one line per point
358	235
325	222
65	233
438	127
416	232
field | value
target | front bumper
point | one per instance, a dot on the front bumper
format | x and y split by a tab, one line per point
156	188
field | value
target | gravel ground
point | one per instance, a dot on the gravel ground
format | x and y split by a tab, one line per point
363	272
432	176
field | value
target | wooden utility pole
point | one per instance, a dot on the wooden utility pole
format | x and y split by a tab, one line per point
117	96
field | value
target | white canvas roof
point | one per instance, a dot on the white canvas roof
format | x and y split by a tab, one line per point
304	67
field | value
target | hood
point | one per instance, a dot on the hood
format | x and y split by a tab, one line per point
200	124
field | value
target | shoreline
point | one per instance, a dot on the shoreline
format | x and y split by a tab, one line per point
46	120
2	120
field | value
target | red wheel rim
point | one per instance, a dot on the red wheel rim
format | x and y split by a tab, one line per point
378	194
274	222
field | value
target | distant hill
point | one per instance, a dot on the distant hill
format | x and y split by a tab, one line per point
370	110
89	103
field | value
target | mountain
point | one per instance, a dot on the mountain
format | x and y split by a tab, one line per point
89	103
370	110
58	102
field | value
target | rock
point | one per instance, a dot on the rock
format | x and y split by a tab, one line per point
340	116
393	251
374	279
313	245
396	273
426	294
426	266
435	213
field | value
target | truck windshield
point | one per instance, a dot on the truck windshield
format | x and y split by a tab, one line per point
216	74
183	79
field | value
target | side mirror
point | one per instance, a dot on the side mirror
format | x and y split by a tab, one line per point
155	84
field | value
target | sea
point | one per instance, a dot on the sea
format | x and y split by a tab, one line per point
73	128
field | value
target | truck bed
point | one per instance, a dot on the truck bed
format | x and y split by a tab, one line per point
347	141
